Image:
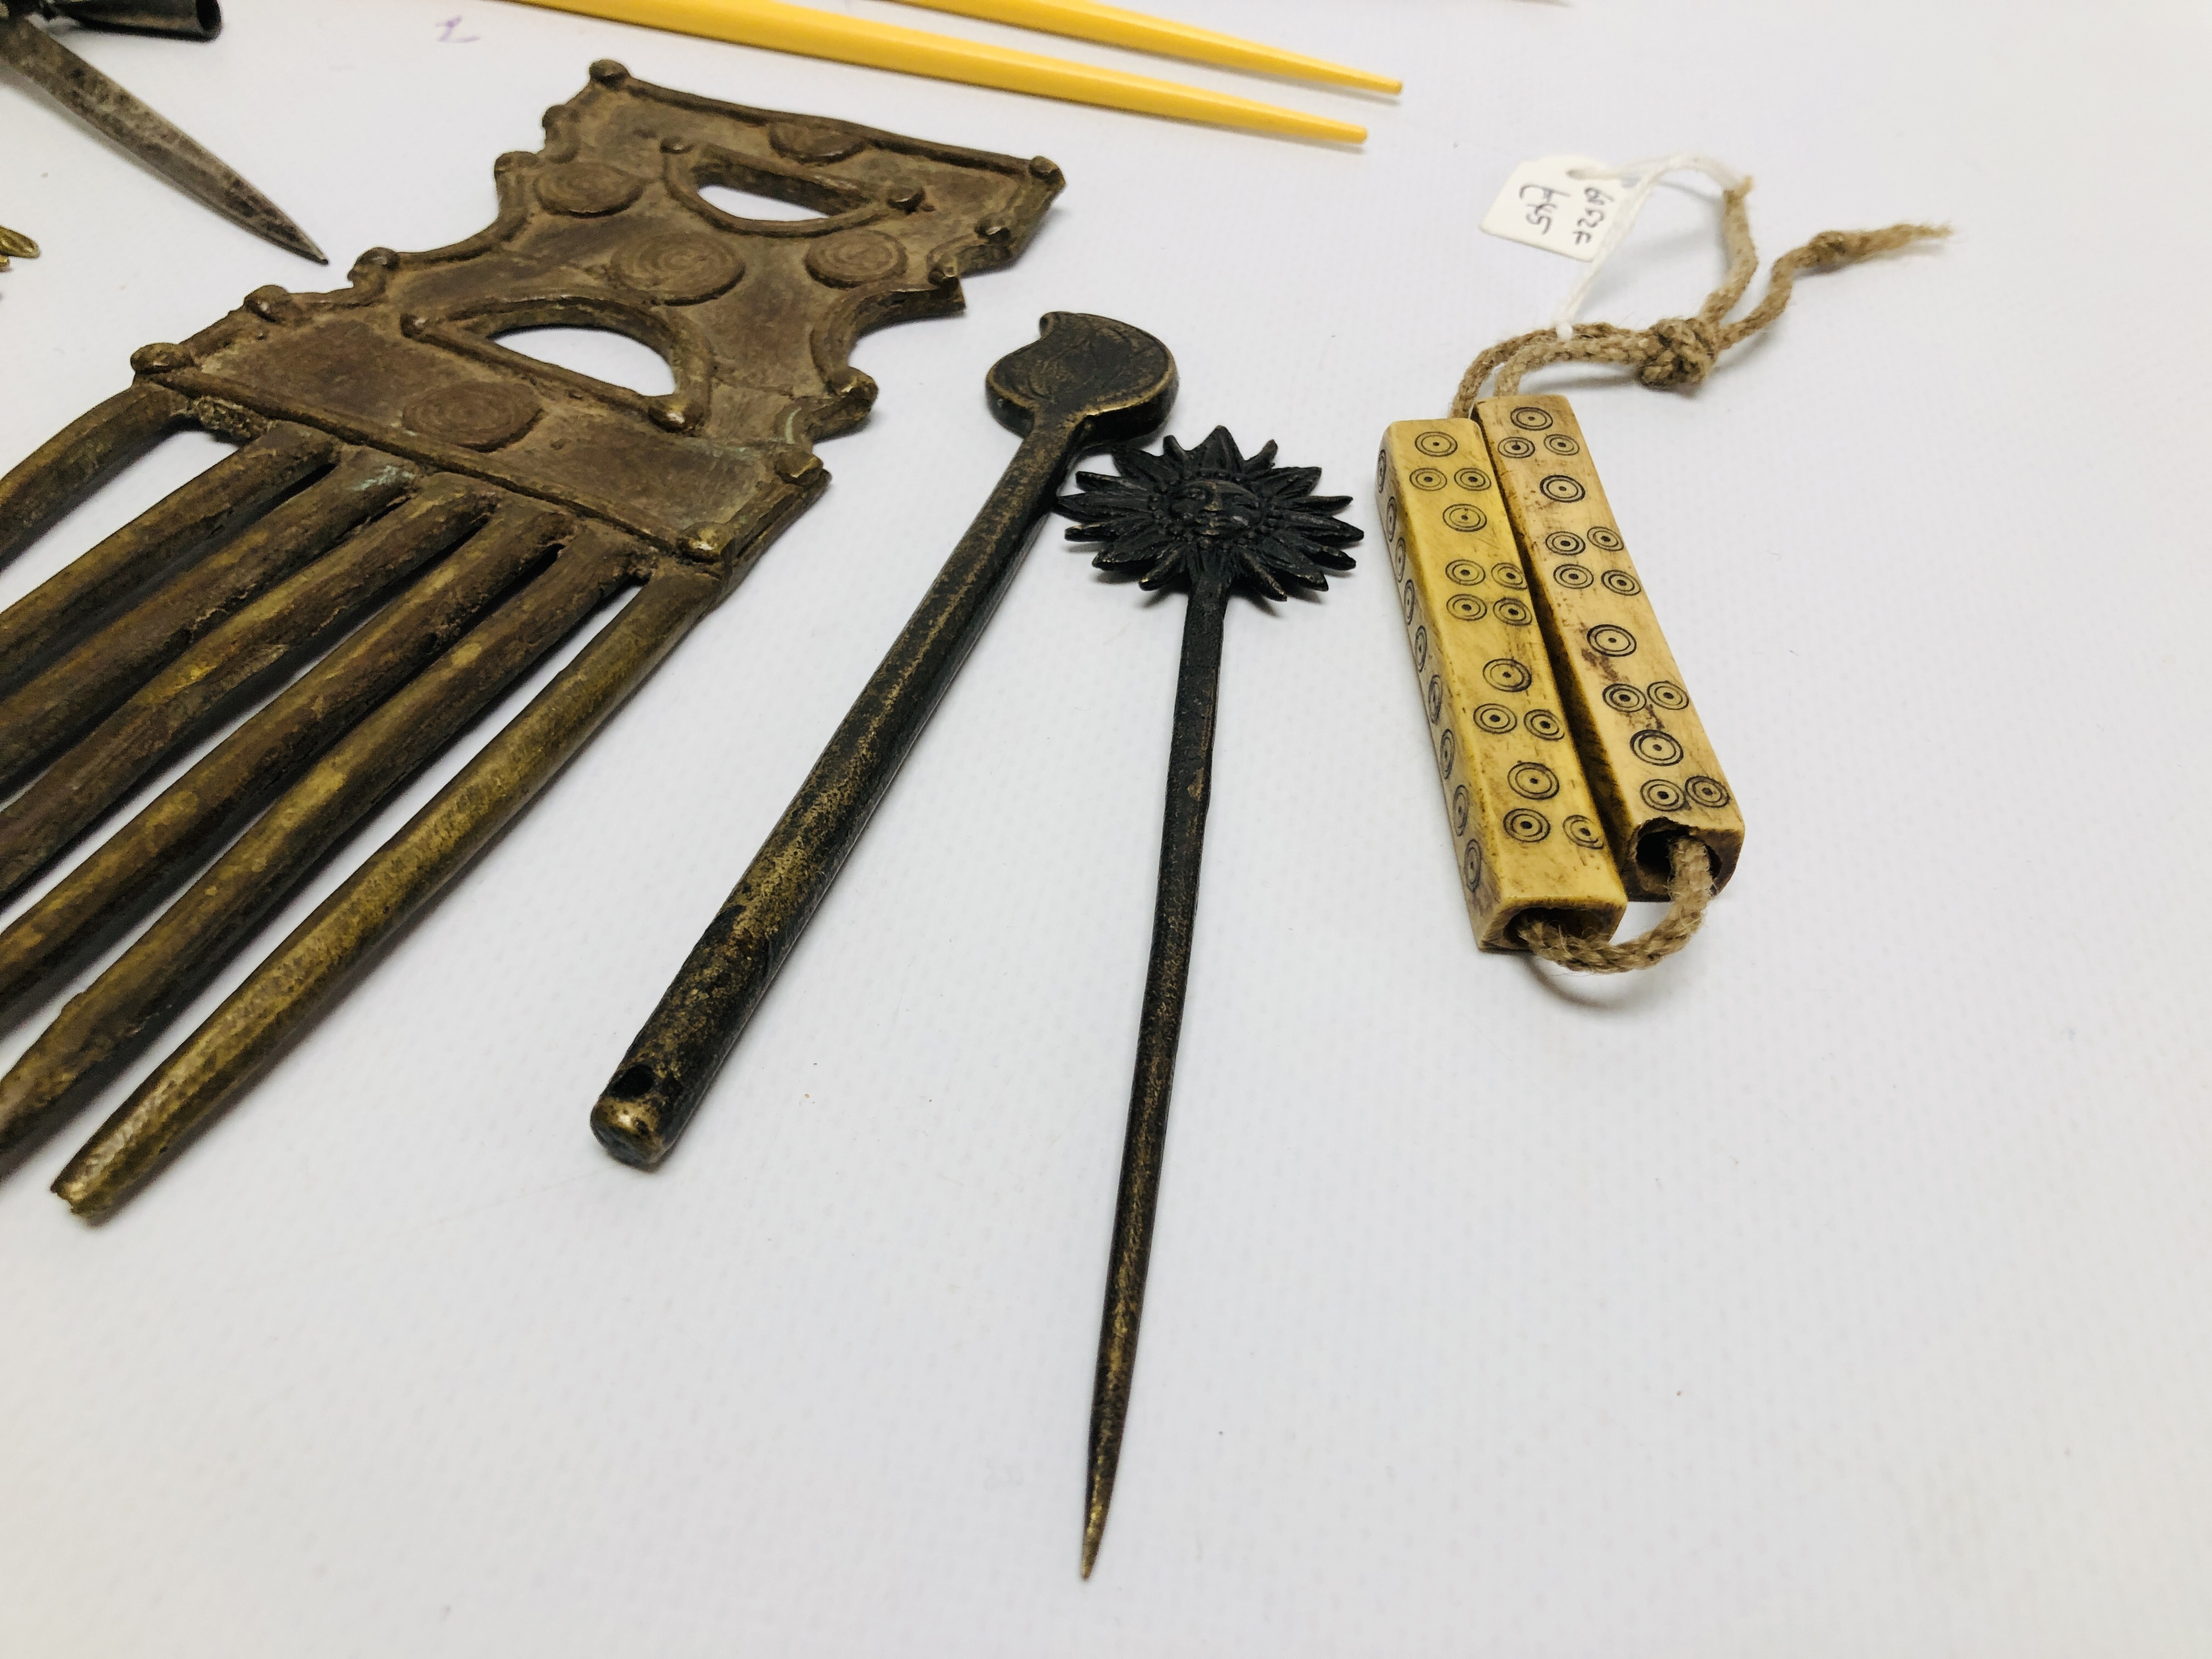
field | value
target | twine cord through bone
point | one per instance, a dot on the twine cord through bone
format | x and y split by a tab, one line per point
1671	353
1689	890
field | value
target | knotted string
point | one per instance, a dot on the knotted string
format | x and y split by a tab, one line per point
1680	351
1671	353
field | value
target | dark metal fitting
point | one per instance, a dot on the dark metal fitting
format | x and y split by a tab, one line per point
181	20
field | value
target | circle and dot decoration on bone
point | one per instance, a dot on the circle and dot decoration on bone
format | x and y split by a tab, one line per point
446	510
1629	716
1499	705
1213	520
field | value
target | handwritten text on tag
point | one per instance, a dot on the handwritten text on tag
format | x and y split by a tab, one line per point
1544	206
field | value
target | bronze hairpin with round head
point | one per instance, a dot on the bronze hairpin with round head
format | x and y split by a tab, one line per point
1214	519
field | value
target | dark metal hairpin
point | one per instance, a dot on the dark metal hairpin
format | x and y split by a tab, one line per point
1210	519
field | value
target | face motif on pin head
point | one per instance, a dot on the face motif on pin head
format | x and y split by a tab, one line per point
1215	507
1212	516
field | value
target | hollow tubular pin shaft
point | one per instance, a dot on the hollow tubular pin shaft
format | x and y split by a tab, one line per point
58	614
105	1028
659	1087
82	456
1084	381
87	685
255	1024
184	703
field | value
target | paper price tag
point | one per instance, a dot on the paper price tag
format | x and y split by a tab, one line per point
1544	206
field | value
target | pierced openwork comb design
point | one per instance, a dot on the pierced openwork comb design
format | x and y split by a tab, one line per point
415	516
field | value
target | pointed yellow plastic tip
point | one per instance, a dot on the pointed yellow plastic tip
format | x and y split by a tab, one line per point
780	28
1086	20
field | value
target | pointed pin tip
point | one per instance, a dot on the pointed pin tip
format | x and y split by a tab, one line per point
301	243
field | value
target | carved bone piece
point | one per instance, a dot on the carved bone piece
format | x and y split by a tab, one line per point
1650	765
1525	833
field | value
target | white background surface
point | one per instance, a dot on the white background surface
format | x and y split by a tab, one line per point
1841	1288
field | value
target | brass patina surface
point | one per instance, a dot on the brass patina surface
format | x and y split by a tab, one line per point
1089	381
415	516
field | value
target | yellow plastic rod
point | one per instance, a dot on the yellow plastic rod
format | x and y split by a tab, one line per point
882	45
1086	20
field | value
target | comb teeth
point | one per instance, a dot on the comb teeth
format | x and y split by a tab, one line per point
105	1028
184	703
90	682
82	456
115	885
63	612
322	956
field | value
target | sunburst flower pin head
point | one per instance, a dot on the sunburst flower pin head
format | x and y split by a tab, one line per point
1212	517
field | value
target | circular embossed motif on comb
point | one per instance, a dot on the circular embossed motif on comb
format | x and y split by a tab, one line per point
1662	796
1580	831
679	268
1708	792
1571	574
1467	607
1426	477
1473	865
1465	572
1496	719
1465	515
1610	641
1436	443
1529	418
1560	444
1462	802
1506	674
1516	449
1471	478
1656	748
1559	487
587	188
1547	725
801	143
476	415
854	258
